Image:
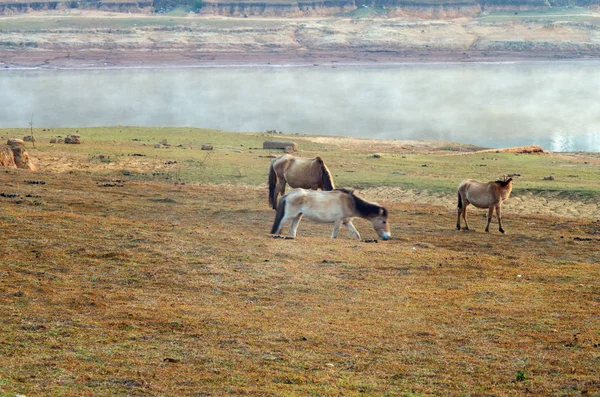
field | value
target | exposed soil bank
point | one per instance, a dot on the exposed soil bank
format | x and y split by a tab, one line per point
98	40
150	59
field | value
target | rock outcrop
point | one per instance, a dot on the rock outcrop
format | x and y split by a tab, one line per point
14	155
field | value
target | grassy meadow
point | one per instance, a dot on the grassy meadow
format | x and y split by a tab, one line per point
131	270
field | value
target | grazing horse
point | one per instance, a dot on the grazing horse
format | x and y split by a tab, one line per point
338	206
298	172
489	195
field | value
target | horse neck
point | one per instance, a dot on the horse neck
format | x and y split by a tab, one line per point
326	178
504	193
364	209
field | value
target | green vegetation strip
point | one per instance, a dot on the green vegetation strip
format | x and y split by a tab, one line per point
238	158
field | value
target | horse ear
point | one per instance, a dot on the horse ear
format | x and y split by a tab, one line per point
381	211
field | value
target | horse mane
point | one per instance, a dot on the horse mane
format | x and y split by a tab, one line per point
504	183
326	177
364	207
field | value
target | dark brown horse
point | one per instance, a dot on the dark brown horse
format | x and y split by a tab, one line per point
488	195
297	172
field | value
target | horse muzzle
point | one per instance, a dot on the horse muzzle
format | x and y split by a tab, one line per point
385	236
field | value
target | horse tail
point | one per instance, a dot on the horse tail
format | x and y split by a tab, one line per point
460	205
326	178
272	182
279	215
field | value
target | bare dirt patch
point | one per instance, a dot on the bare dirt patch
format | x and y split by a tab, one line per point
66	162
393	145
527	204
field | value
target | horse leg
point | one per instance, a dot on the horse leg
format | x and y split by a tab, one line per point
336	229
465	215
280	217
490	214
294	225
350	226
279	189
499	215
459	208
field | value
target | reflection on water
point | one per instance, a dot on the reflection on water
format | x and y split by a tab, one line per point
492	105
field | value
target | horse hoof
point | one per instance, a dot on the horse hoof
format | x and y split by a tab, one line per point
502	231
282	237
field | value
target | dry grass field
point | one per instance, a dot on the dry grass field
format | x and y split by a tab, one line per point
159	278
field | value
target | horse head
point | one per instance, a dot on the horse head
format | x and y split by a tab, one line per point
380	224
373	212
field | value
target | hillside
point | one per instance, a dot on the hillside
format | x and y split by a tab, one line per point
79	38
294	8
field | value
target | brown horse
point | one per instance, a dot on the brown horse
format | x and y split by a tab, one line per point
488	195
298	172
338	206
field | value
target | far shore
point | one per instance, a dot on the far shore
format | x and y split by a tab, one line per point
34	59
104	40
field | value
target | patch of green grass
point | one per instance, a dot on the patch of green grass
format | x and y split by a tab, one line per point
177	12
564	14
367	12
238	158
174	19
520	376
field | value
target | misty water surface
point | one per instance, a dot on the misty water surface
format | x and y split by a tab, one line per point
492	105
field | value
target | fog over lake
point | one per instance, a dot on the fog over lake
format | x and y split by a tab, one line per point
492	105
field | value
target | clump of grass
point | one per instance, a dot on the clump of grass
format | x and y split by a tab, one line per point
520	376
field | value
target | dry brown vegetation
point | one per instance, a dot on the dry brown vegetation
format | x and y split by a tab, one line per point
115	286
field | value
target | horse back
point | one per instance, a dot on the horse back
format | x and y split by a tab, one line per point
482	194
281	162
320	206
301	172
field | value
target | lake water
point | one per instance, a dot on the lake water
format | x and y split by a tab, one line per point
493	105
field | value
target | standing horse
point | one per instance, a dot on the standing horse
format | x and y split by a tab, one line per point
338	206
489	195
298	172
